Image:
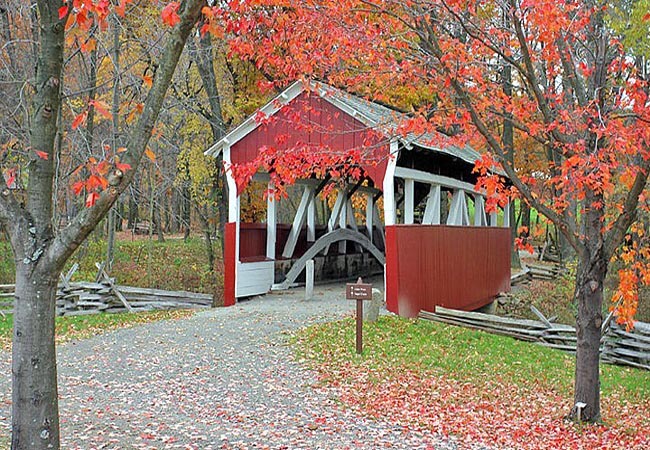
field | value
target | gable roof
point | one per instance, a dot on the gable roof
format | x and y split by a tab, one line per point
371	114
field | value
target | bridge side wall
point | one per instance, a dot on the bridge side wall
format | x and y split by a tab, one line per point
451	266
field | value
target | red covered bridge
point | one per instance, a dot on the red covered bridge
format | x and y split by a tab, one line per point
432	238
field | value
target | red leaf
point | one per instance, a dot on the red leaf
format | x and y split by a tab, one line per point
10	178
81	118
42	155
123	166
78	187
101	108
92	199
63	11
170	14
646	18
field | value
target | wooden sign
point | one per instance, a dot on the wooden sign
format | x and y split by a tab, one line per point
358	291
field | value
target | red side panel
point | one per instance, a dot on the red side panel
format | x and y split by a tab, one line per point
455	267
229	264
392	269
311	121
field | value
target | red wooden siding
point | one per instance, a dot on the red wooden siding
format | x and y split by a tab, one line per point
455	267
310	120
230	245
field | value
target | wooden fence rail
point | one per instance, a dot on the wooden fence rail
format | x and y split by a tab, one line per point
105	296
618	346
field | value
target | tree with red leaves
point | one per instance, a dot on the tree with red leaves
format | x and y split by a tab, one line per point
40	252
572	88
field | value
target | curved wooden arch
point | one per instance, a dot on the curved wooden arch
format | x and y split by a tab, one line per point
341	234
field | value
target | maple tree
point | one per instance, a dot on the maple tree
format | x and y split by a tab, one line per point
40	250
575	90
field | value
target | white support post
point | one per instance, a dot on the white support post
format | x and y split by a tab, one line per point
389	185
298	221
432	210
493	219
480	220
506	214
271	222
409	200
370	215
311	220
309	280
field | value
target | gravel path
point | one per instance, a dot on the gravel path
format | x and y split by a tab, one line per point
222	379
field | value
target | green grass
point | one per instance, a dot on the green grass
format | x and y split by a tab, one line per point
82	327
393	344
174	264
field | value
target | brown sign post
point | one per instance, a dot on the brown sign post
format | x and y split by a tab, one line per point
359	291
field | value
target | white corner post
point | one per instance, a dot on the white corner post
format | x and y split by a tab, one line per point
409	200
233	201
389	185
271	222
370	215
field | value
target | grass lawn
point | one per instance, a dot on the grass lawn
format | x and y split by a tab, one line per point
174	264
80	327
477	387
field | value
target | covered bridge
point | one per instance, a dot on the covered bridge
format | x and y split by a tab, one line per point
423	223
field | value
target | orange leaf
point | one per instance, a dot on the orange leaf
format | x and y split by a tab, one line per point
151	155
123	166
89	45
81	118
101	108
170	14
148	80
78	187
120	9
63	11
42	155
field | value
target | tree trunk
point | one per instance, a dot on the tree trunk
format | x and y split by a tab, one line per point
35	413
133	212
187	212
204	63
507	138
40	254
589	298
592	269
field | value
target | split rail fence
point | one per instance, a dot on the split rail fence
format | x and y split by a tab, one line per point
82	298
618	346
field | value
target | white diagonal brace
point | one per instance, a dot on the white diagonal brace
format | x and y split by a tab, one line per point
298	221
480	219
432	210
